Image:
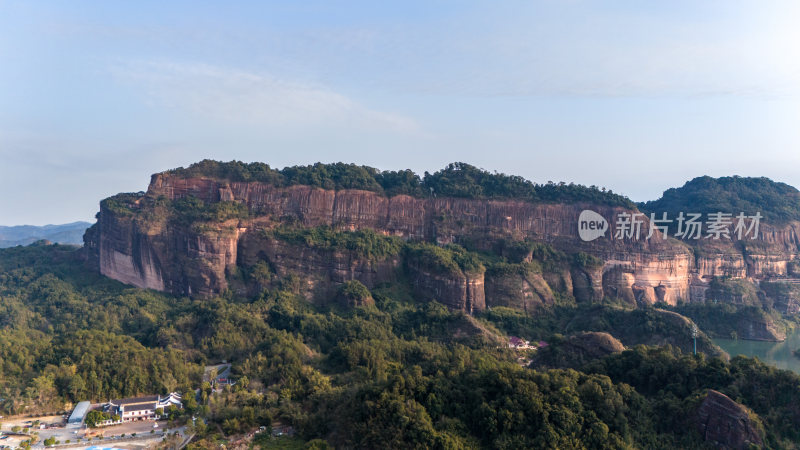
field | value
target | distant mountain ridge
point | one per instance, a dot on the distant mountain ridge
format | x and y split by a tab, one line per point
68	233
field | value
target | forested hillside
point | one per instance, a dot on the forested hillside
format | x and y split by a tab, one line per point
390	373
456	180
777	202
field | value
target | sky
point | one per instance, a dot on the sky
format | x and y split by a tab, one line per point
633	96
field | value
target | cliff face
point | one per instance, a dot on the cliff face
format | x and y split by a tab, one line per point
462	291
654	263
524	291
152	254
189	261
323	270
765	330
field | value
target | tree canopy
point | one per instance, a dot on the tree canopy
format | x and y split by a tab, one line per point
398	373
777	202
456	180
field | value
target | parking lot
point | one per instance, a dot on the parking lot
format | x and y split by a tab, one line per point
10	439
104	437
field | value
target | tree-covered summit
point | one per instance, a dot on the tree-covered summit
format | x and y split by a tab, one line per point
455	180
777	202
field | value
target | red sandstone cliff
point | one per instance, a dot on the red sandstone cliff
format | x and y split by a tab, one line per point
141	249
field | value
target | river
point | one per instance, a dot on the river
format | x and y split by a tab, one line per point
778	354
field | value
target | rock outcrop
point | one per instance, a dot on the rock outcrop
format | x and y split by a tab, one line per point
323	270
149	252
727	424
526	291
135	245
577	350
458	290
596	344
761	330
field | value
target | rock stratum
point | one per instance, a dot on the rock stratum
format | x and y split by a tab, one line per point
143	240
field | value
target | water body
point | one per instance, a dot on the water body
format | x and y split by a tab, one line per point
778	354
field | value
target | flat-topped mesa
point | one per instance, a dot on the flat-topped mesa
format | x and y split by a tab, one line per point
655	262
136	247
151	241
440	219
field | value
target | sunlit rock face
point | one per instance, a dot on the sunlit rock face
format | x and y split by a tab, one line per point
146	250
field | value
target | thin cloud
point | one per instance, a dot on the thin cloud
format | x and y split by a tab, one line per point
249	98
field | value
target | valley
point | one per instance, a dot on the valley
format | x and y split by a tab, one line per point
352	308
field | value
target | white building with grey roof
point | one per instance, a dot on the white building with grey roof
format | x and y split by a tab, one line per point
142	408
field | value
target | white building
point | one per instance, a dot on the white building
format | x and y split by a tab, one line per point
142	408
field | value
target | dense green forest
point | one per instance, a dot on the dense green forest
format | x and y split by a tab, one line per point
391	373
456	180
777	202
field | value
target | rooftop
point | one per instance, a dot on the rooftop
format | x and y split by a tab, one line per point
79	412
140	407
135	400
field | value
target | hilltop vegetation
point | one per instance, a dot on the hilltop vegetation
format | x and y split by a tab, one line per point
364	242
777	202
390	372
456	180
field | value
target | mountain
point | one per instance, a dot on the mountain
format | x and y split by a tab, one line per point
194	227
388	372
777	202
463	236
69	233
371	309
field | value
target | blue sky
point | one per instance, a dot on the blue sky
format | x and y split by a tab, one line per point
634	96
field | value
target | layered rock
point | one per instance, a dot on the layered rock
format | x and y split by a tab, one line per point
761	330
135	248
526	291
323	270
785	296
148	252
656	264
457	290
353	294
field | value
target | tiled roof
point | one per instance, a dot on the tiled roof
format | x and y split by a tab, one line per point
135	400
142	407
